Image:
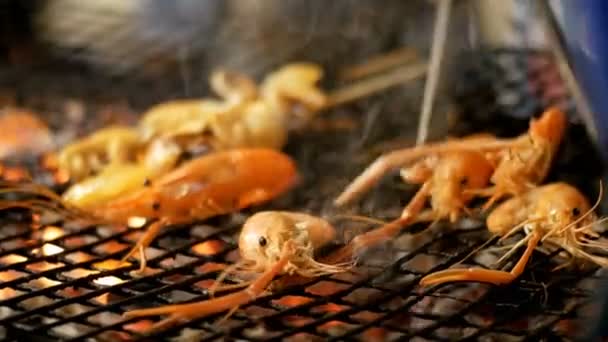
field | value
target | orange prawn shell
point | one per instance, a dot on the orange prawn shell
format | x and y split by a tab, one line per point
263	234
455	171
213	184
551	126
554	202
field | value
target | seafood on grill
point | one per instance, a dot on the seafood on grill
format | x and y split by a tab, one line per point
444	180
271	243
521	162
453	173
557	214
245	116
521	170
214	184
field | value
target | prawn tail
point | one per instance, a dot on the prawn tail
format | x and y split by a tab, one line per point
551	125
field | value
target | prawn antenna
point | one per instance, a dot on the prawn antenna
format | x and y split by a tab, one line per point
482	246
359	218
225	273
51	201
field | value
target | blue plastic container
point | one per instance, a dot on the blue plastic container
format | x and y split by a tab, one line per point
584	26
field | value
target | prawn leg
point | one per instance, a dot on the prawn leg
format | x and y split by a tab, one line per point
386	231
182	312
143	242
482	275
400	158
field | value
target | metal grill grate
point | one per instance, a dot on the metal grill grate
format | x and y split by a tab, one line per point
53	297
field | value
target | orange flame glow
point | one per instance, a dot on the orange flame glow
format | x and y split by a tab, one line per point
110	264
210	247
331	325
50	233
12	259
43	266
331	307
291	301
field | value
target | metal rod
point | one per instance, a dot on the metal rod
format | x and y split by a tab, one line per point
430	87
558	47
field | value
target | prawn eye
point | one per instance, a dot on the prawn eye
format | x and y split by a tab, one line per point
576	211
464	181
262	241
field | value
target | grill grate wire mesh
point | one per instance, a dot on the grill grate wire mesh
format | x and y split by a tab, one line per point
45	298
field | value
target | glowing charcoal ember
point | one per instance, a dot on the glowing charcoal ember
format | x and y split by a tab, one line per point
47	250
108	281
291	301
71	292
329	308
78	273
326	288
106	298
47	234
41	283
334	328
10	275
8	293
303	337
375	335
35	302
43	266
12	259
78	257
109	230
72	310
50	233
110	247
297	321
77	241
105	318
209	267
190	335
110	264
112	335
210	247
70	330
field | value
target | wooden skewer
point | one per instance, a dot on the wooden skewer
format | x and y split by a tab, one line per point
377	64
375	84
